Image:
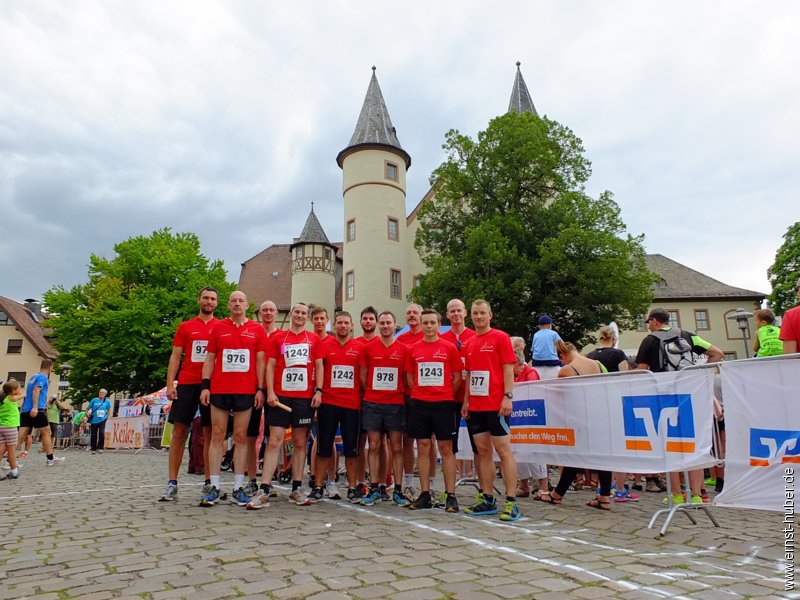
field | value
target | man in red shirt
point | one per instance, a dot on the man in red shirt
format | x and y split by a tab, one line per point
319	321
189	343
292	361
790	327
413	335
433	375
341	404
233	381
369	320
490	363
383	407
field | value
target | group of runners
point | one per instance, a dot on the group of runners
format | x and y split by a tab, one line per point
392	392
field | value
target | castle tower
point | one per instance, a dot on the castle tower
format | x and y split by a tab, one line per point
374	188
313	266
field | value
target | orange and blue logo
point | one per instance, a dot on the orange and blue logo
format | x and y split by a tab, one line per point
659	421
528	424
767	446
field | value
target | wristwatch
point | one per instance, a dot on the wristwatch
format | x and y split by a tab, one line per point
509	395
317	389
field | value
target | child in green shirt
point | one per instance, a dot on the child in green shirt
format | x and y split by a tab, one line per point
768	341
10	397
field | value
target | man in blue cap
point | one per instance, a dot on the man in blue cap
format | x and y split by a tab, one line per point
545	360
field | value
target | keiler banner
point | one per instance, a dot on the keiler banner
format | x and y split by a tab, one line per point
762	421
637	423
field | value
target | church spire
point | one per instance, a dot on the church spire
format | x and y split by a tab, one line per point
521	101
374	127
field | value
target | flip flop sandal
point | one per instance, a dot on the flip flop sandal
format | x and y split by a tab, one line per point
599	504
548	499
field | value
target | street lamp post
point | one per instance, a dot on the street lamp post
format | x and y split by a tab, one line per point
741	317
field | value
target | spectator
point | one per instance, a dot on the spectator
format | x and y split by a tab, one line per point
768	338
543	349
98	412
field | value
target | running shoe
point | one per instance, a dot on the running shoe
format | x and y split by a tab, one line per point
511	511
697	499
273	493
354	495
652	486
483	507
704	496
451	504
250	488
371	498
626	496
677	499
298	496
170	494
56	460
440	501
400	500
385	497
410	493
314	496
210	496
423	501
362	489
258	501
22	454
13	475
710	481
332	490
100	451
5	465
240	497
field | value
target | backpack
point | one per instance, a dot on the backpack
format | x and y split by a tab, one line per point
675	351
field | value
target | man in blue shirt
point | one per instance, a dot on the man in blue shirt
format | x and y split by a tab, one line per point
545	360
98	411
33	411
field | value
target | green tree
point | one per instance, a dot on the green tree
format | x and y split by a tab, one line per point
510	222
116	330
784	272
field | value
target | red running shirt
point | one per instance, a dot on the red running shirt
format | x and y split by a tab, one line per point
459	342
342	384
192	336
235	361
385	367
432	365
485	356
294	355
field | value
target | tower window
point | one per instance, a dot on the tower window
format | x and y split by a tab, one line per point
301	251
390	171
394	283
350	285
394	228
327	253
351	230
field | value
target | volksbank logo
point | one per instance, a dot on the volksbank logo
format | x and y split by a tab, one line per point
771	446
659	421
529	425
527	413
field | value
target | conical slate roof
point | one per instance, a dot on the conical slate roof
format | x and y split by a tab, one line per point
521	101
312	231
374	126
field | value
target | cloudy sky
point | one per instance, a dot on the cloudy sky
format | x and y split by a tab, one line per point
224	118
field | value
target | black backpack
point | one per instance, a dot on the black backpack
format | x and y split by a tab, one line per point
675	351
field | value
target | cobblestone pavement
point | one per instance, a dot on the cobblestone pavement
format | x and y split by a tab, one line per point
91	528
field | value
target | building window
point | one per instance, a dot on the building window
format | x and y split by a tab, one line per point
416	281
327	253
674	318
390	172
394	283
351	230
701	320
19	376
350	285
300	251
729	356
3	318
394	229
14	347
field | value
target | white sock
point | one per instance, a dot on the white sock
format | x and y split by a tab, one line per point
238	480
215	481
408	480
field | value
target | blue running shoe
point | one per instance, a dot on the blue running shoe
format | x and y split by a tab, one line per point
400	500
371	498
210	496
511	511
240	497
482	507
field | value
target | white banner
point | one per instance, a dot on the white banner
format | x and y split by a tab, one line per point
125	432
762	422
636	423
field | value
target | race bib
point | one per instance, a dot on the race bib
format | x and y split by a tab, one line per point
430	374
385	378
479	383
343	376
100	413
199	350
235	361
295	380
296	354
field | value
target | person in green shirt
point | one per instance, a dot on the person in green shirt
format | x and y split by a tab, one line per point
53	412
10	397
768	339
